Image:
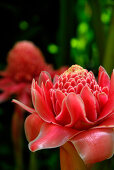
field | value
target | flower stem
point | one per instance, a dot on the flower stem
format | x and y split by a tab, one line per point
108	61
98	27
33	161
66	31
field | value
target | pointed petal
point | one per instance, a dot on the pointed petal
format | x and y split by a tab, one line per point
70	159
103	78
95	145
77	113
46	94
48	84
59	96
102	98
109	107
41	107
51	136
89	103
37	88
63	117
27	108
43	77
111	92
33	124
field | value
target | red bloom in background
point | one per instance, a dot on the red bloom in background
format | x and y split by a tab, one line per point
76	113
25	61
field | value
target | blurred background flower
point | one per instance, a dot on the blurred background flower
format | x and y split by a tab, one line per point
68	32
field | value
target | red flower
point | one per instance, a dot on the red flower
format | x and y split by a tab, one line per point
74	109
25	62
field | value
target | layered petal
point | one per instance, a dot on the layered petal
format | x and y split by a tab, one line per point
77	113
46	95
107	123
109	107
102	98
42	108
89	103
103	78
111	92
51	136
70	159
33	124
59	96
44	76
63	117
95	145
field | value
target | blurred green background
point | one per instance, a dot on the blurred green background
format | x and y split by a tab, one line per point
67	32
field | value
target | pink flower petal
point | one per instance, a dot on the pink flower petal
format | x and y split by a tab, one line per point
12	88
37	88
44	76
46	95
109	122
27	108
48	84
89	103
111	92
4	97
33	124
59	96
102	98
109	107
41	107
63	117
40	104
51	136
95	145
103	78
77	113
5	82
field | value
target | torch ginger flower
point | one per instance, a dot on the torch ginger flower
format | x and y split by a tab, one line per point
74	113
25	62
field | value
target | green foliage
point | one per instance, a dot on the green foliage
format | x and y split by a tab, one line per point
23	25
52	48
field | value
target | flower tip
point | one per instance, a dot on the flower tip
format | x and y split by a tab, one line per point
31	147
44	76
14	101
33	83
101	68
